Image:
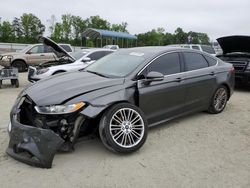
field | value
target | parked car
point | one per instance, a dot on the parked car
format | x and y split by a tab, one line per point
120	95
112	47
203	48
30	55
236	50
65	62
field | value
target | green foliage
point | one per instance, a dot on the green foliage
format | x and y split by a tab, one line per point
69	30
158	37
6	33
31	27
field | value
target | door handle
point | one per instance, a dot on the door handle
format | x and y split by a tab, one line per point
178	79
212	73
41	55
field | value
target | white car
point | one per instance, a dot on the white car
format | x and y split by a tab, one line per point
67	62
203	48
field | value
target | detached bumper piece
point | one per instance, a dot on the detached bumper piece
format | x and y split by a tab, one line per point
32	145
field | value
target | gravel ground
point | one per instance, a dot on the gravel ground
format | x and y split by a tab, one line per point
200	150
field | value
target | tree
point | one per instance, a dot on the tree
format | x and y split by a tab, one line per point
120	27
6	32
66	26
79	25
32	27
98	23
180	36
58	32
17	27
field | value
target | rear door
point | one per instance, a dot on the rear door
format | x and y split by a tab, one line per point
161	100
200	80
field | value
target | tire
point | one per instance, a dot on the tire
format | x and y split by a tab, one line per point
1	83
130	128
219	100
20	65
16	83
13	82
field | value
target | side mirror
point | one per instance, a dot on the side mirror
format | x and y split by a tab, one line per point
29	52
86	59
154	76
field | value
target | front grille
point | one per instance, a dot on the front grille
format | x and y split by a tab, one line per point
31	71
239	66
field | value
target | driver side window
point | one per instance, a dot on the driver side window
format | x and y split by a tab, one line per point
166	64
37	49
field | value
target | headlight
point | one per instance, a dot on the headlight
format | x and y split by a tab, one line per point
59	109
248	67
7	57
41	71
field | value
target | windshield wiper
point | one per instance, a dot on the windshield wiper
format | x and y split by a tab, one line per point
97	73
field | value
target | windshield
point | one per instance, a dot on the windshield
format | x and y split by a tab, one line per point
24	50
78	55
118	64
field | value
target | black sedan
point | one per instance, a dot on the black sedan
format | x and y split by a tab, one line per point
119	97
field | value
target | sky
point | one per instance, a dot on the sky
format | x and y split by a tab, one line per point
217	18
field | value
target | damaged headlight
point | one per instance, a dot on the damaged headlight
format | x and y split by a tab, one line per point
42	71
59	109
6	57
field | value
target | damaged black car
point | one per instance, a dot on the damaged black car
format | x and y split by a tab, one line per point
118	97
236	50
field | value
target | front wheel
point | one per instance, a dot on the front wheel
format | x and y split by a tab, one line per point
219	100
20	65
123	128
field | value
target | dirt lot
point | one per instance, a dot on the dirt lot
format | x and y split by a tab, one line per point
200	150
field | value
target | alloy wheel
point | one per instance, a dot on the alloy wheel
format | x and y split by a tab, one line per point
126	127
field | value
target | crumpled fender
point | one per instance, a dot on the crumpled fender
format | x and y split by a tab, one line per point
99	104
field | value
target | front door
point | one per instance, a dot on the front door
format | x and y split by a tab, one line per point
162	100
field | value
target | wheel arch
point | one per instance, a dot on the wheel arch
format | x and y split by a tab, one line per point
58	71
228	89
19	59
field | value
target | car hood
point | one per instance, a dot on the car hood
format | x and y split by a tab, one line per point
231	44
59	89
58	50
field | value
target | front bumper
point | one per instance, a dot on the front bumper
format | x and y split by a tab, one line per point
32	77
32	145
5	63
242	78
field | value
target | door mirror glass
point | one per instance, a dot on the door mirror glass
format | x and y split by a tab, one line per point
154	76
86	59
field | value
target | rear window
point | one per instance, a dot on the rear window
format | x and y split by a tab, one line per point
194	61
208	49
211	61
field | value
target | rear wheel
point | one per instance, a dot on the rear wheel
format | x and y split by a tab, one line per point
219	100
20	65
123	128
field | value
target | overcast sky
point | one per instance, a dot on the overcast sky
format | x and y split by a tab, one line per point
215	17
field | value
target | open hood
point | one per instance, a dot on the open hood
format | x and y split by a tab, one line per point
231	44
58	50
